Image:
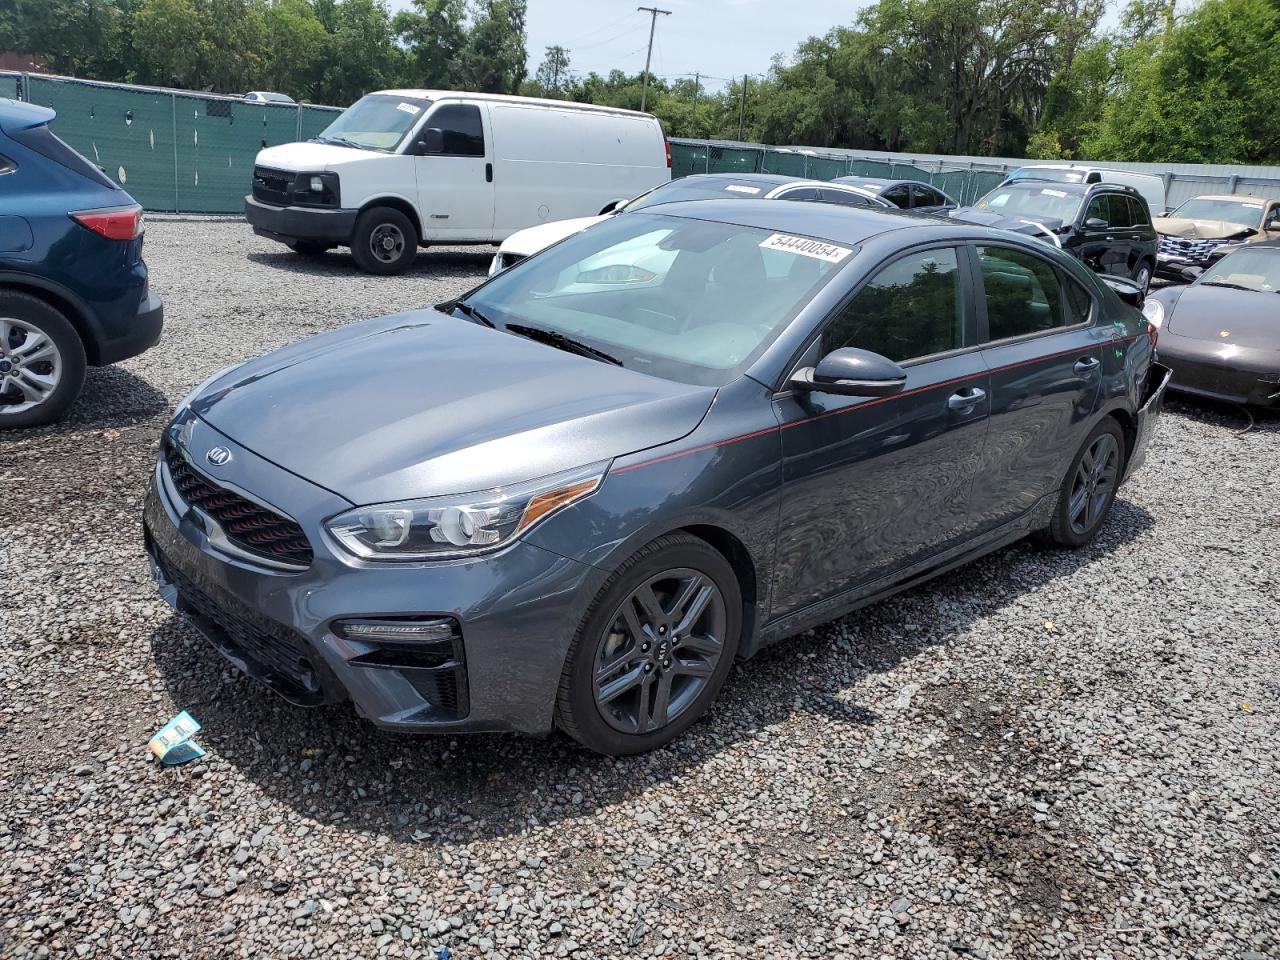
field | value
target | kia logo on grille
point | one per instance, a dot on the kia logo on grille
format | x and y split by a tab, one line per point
218	456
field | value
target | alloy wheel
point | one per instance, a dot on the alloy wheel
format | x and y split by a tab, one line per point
30	366
1094	483
386	242
659	651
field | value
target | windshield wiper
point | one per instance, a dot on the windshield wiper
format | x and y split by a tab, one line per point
558	340
1233	286
469	311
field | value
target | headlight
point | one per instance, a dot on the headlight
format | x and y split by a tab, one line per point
317	189
1153	310
463	525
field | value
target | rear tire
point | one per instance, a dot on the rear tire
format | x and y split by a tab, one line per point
653	650
1089	489
42	362
385	241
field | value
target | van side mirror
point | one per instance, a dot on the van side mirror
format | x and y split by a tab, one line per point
1096	223
853	373
431	141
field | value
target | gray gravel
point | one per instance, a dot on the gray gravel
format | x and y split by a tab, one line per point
1045	754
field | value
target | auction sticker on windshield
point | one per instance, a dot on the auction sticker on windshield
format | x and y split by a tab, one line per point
1053	193
806	247
408	108
740	188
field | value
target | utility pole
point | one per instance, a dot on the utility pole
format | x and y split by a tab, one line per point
653	22
742	107
697	81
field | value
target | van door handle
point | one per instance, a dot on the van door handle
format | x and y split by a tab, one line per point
965	400
1085	366
488	173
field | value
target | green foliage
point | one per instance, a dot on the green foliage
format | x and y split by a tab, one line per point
553	75
434	35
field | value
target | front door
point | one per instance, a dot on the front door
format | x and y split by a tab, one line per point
455	173
1045	358
870	485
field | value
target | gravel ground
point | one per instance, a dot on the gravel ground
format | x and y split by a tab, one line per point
1045	754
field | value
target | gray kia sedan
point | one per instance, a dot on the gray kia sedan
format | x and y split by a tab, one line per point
574	496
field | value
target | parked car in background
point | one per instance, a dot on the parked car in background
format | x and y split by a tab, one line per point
1221	334
1148	184
404	168
73	285
698	186
574	496
1204	229
263	96
904	194
1106	226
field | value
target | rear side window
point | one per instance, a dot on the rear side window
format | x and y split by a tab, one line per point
899	196
846	197
462	129
928	197
910	309
43	141
1138	213
1026	295
802	193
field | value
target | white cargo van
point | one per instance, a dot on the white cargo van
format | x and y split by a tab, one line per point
1148	184
405	168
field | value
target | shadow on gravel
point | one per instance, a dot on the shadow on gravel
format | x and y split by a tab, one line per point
1223	414
112	397
331	766
339	262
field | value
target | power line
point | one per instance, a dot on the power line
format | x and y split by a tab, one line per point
600	29
653	23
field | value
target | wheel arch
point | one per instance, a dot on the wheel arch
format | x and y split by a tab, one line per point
735	551
62	300
396	203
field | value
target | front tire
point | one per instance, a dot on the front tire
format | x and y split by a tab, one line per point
385	241
42	362
1089	489
653	650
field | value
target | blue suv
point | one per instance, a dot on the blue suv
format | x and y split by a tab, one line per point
73	286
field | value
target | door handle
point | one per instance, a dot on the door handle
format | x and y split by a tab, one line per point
488	173
1085	366
965	400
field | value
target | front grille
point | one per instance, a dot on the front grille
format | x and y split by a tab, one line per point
1195	250
249	525
268	651
272	186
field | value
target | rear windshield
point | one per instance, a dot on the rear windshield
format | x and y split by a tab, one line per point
376	122
44	142
1246	212
1035	201
699	188
688	300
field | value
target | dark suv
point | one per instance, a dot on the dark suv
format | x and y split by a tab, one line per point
73	287
1104	224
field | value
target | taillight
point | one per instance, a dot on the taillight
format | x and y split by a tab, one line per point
667	143
123	224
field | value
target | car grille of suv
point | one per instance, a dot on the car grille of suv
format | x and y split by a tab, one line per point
272	186
1189	249
247	524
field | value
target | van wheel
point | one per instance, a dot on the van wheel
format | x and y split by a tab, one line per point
309	248
385	241
654	648
42	361
1090	487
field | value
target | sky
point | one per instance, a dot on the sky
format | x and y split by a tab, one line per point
718	38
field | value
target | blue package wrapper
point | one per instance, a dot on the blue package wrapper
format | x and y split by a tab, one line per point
172	742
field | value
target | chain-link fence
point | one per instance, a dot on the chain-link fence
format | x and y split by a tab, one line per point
172	150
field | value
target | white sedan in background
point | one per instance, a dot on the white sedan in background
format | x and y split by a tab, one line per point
700	186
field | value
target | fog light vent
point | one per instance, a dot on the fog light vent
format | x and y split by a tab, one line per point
397	629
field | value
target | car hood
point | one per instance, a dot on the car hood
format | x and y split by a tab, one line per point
423	404
1249	319
309	157
1200	229
527	242
1033	226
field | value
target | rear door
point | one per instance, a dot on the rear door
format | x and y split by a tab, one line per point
455	181
1045	357
871	485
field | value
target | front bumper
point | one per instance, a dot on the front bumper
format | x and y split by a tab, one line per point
1249	376
300	223
142	333
516	610
1148	416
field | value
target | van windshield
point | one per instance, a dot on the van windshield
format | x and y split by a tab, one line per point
376	122
1056	174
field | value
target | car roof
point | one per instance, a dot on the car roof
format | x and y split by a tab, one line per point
506	98
1230	196
16	115
831	222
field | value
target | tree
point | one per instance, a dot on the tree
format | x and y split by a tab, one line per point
553	74
493	59
74	37
169	43
433	35
362	54
297	46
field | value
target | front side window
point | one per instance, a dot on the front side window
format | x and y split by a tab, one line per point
899	196
1027	295
910	309
928	197
461	129
1099	209
375	122
690	300
1118	208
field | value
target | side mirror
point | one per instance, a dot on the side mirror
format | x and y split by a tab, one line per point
1191	274
611	207
1125	289
1096	223
431	141
853	373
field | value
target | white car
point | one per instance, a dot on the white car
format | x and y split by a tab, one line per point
700	186
401	169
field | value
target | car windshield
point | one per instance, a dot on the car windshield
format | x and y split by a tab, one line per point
1246	212
1057	175
699	188
376	122
1251	269
1035	201
688	300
